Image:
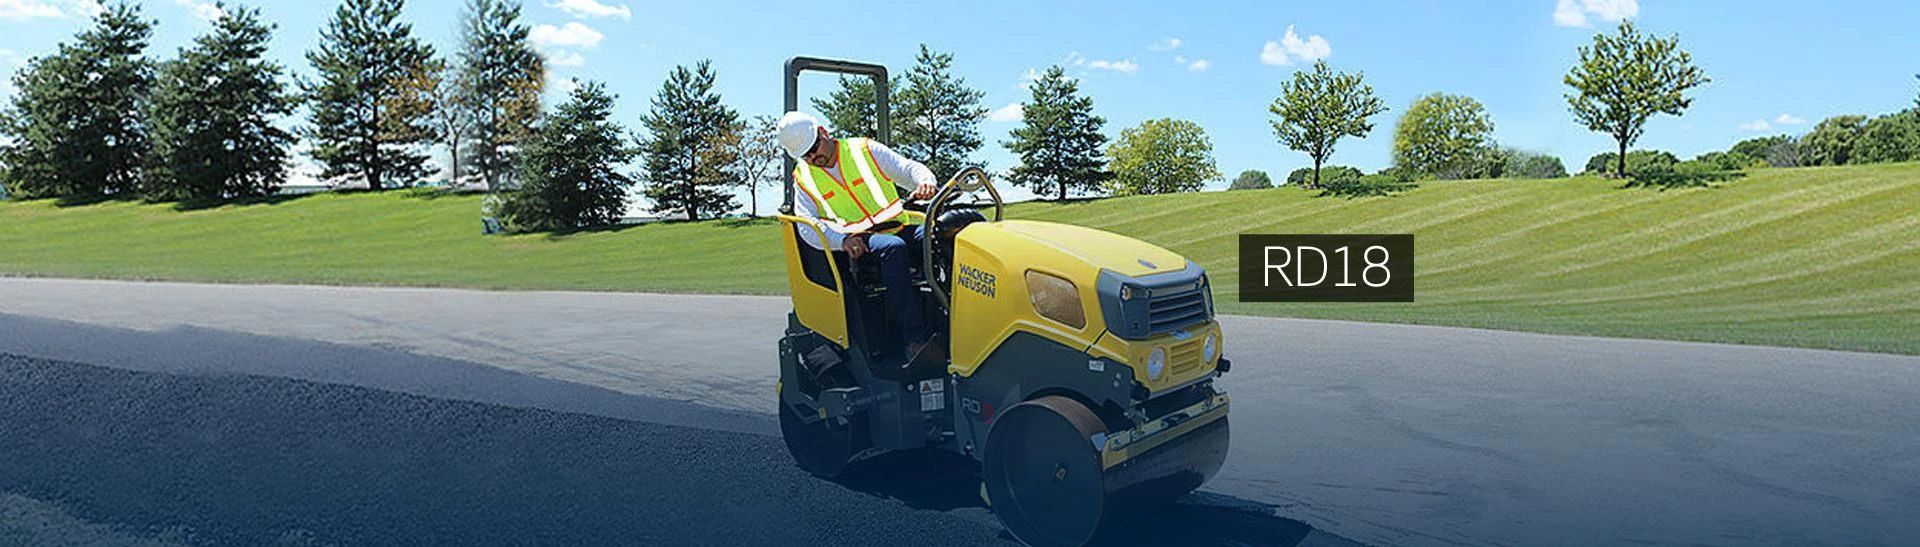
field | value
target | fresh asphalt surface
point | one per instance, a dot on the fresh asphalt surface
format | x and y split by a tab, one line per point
203	414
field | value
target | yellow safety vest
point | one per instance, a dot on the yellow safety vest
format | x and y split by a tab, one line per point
855	205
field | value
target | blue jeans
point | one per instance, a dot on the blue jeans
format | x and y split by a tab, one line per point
894	251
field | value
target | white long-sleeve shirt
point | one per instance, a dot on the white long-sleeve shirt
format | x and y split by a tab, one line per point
905	172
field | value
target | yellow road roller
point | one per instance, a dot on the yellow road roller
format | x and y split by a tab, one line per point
1075	366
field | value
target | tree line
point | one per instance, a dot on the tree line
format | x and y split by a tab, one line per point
96	120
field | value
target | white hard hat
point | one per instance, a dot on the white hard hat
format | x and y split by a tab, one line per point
797	133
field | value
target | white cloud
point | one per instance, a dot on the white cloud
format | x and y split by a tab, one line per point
1291	48
1180	59
51	9
207	11
1789	119
561	57
1124	65
560	87
1200	65
1010	113
1166	45
571	34
1582	13
1756	125
590	8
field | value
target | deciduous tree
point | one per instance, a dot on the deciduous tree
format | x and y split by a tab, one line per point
1251	179
1831	141
1162	156
758	158
1319	107
1445	136
1625	78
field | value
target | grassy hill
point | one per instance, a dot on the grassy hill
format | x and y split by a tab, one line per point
1814	257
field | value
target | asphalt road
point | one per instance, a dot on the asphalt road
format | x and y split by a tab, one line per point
1385	434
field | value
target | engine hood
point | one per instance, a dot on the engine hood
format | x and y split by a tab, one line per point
1101	250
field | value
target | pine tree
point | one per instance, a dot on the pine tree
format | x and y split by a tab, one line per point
939	115
569	169
687	114
1060	144
850	110
76	126
371	102
502	76
213	112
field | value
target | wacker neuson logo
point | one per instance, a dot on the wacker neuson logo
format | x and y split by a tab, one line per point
1326	268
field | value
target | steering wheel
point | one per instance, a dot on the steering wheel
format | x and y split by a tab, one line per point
968	181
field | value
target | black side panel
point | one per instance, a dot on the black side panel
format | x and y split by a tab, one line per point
1028	366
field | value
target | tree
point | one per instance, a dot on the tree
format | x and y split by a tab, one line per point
1303	176
1890	138
213	115
1637	161
939	121
371	101
687	114
76	127
503	76
1756	148
1528	165
1729	161
1446	136
453	116
1161	156
1318	108
569	170
758	158
1787	153
1624	79
1831	141
1251	179
850	111
1059	142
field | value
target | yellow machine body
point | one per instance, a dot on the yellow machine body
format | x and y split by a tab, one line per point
992	300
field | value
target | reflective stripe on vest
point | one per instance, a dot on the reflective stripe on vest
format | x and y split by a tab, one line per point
854	209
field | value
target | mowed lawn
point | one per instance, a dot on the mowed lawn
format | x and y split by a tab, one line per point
1811	257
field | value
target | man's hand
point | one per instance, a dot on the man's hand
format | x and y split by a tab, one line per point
855	245
925	191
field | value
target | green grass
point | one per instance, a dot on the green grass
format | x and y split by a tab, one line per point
1814	257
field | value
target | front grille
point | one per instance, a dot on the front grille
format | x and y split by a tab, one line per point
1178	308
1185	356
1138	308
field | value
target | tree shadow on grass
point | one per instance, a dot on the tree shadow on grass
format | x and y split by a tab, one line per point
81	201
204	204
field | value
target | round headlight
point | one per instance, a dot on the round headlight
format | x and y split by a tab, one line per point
1212	348
1156	363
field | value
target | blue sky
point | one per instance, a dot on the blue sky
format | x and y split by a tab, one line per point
1781	65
